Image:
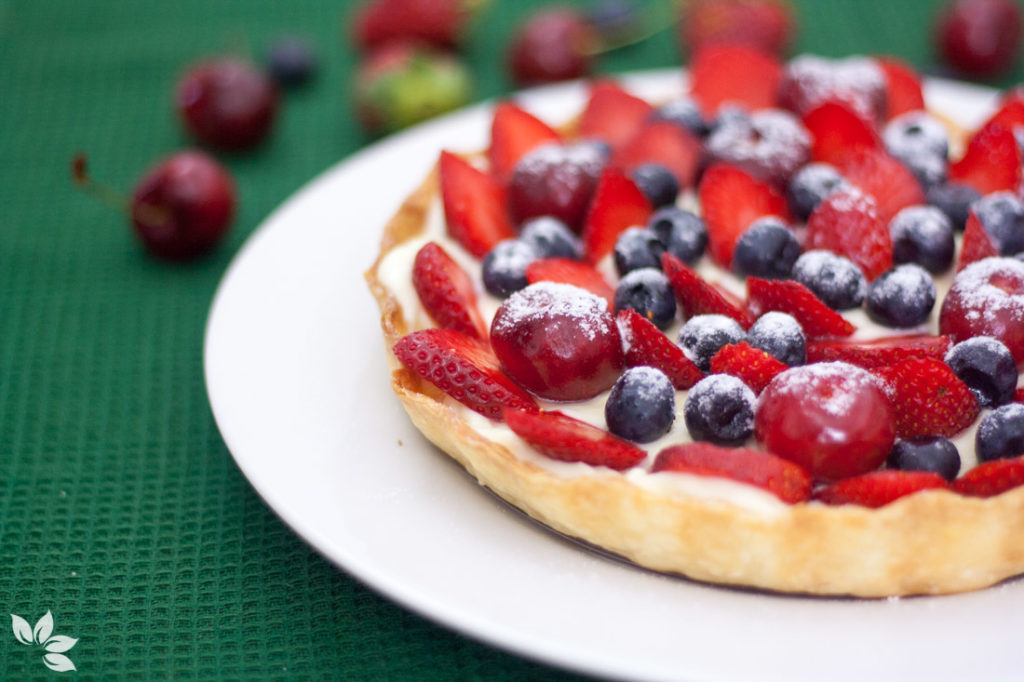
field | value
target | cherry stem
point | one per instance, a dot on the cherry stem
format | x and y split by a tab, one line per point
111	197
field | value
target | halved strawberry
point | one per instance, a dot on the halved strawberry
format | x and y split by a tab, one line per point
989	479
731	200
992	161
463	367
697	296
446	291
752	366
735	73
612	114
878	488
792	297
567	271
902	85
618	204
474	206
568	439
892	185
928	398
647	346
784	479
666	144
977	243
514	132
890	350
1011	110
848	223
836	130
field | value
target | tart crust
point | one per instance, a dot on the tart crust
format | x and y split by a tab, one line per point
932	542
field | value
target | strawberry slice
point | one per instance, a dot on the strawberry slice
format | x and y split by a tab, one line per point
647	346
836	130
474	206
731	200
618	204
463	367
752	366
514	133
989	479
878	488
792	297
1010	112
977	243
446	291
1018	395
568	439
697	296
666	144
782	478
612	114
928	398
848	223
992	161
734	73
890	350
891	184
902	86
567	271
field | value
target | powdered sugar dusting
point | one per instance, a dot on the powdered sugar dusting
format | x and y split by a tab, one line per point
978	292
834	383
553	299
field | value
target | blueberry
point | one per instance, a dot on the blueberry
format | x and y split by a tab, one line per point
685	113
934	454
836	280
766	249
504	267
614	20
902	297
682	233
720	409
704	335
781	336
657	183
637	248
648	292
921	143
291	61
922	235
954	199
641	406
810	186
1001	433
770	144
986	365
1002	216
551	238
729	114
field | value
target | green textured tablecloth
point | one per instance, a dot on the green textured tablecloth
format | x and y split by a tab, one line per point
121	510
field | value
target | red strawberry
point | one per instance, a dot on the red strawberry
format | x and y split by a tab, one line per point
474	206
847	223
568	439
618	204
992	161
1010	112
902	85
878	488
464	368
566	271
784	479
880	352
446	291
751	365
666	144
434	22
789	296
731	200
515	132
977	243
766	25
836	130
1018	395
697	296
646	346
884	178
928	398
989	479
612	114
734	73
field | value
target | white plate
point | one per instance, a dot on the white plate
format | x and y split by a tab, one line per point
296	375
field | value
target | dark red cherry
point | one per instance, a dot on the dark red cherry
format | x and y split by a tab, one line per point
979	37
227	103
553	45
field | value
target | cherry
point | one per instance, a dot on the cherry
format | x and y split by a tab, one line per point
831	418
556	180
766	25
979	37
987	299
553	45
858	82
558	341
436	23
227	103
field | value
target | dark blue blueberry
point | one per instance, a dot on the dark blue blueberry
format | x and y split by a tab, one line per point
986	365
923	235
648	292
809	187
641	406
781	336
836	280
685	113
766	249
704	335
935	454
902	297
954	199
637	248
921	143
1001	433
657	183
551	238
291	61
720	409
770	144
614	20
728	114
1002	216
682	233
504	267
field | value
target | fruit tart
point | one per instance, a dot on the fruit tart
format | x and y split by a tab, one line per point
767	333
